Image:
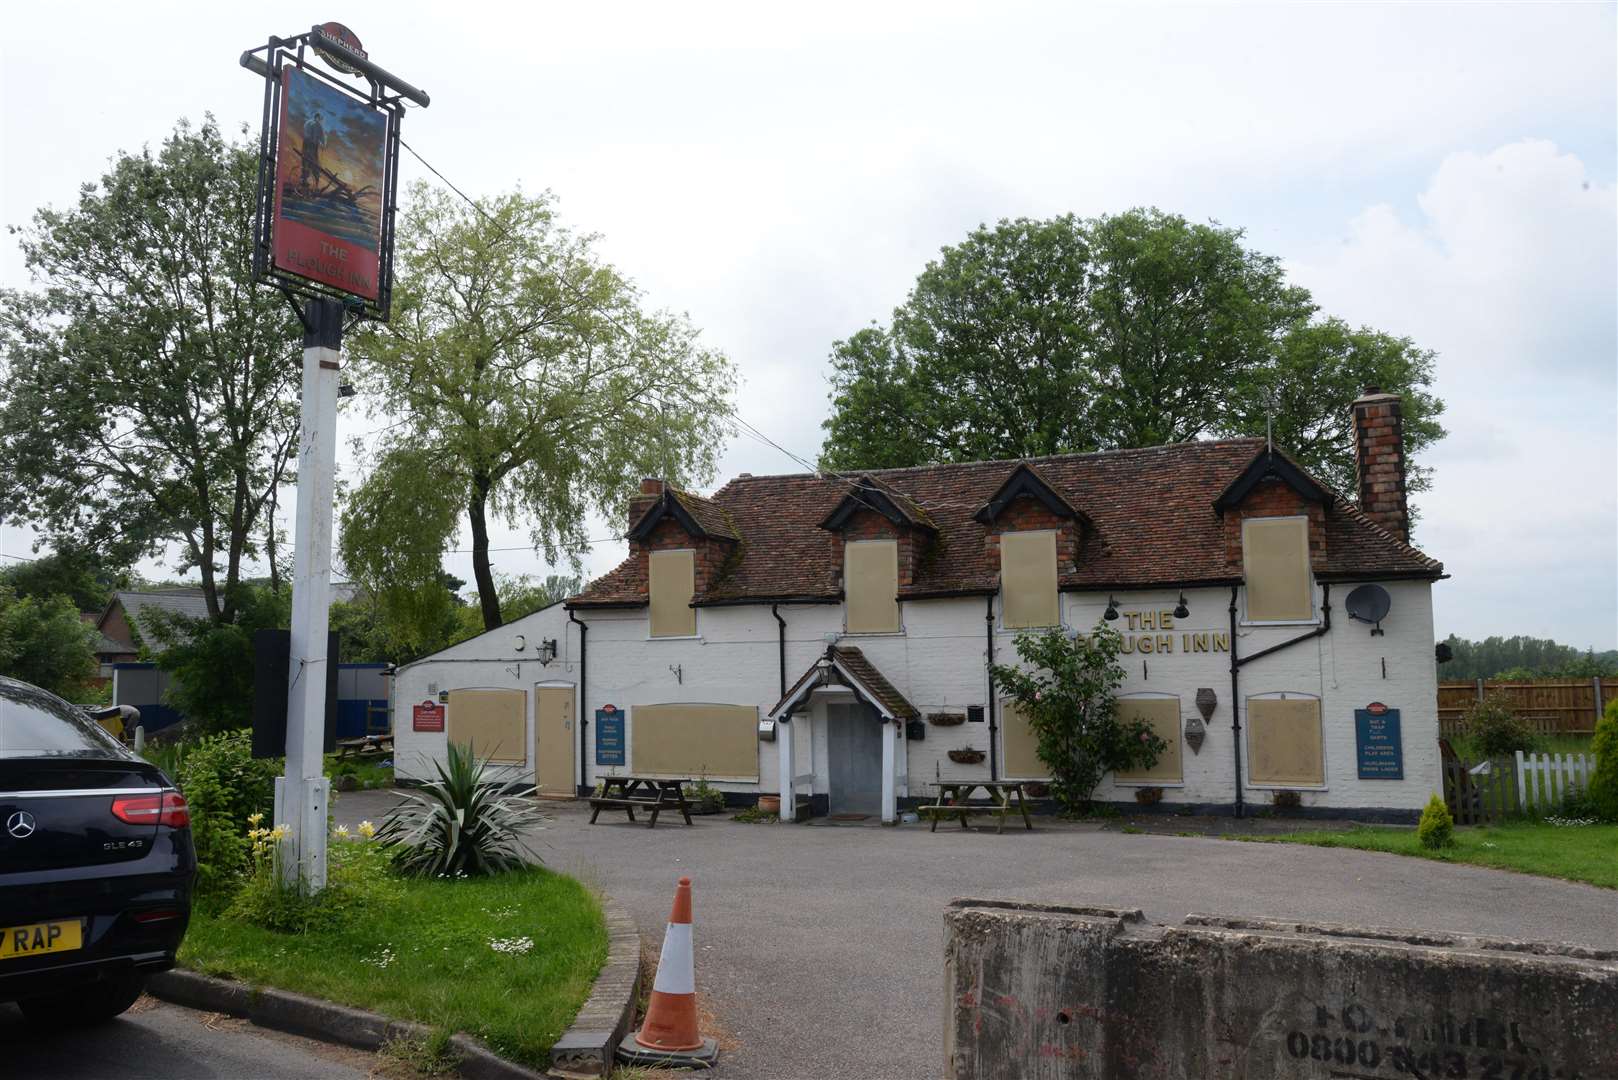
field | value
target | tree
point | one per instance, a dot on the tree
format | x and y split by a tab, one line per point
1523	657
1070	335
521	594
69	571
1070	699
149	391
528	383
43	641
212	662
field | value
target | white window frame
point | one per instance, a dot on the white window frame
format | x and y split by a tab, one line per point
1179	733
1247	736
899	604
1000	592
696	612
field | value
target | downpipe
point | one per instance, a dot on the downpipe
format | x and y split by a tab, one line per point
781	646
584	670
994	727
1236	662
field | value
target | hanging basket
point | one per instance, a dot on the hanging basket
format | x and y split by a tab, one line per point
946	719
966	757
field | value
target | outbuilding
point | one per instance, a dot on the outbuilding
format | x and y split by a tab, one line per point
828	638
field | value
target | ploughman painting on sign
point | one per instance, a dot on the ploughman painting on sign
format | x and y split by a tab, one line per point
329	169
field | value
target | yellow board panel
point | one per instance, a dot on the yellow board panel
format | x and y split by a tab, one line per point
1284	742
1275	561
1028	579
673	583
495	722
871	585
716	741
1163	714
555	745
1020	745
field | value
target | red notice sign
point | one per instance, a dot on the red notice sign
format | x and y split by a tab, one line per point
428	716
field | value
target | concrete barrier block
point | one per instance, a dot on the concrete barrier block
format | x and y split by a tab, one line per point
1042	993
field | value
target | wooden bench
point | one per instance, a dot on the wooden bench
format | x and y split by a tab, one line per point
652	793
365	746
954	796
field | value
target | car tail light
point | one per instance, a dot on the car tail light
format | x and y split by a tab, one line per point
166	809
161	915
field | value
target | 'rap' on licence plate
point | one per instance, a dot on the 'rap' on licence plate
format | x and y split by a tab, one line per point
62	935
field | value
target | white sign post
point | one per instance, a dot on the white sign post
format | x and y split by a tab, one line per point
303	794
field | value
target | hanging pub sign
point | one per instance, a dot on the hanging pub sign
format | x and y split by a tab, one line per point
609	735
331	164
1378	743
328	170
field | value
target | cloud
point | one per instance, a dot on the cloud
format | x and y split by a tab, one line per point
1507	269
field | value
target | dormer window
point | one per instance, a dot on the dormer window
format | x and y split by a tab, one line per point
1275	564
871	586
672	582
1028	595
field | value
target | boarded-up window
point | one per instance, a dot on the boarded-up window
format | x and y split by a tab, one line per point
717	741
871	585
673	582
495	722
1028	579
1283	741
1021	745
1163	714
1275	561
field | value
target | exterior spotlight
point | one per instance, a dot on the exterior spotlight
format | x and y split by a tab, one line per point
346	390
547	650
1180	610
1111	614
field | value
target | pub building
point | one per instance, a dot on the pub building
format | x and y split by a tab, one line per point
828	639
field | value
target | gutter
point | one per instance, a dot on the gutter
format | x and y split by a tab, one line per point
988	634
584	672
1236	662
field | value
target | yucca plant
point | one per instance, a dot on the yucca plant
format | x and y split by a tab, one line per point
460	825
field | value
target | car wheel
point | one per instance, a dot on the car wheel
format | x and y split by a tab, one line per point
92	1004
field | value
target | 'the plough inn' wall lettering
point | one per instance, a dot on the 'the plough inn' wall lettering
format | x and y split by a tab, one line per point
1187	641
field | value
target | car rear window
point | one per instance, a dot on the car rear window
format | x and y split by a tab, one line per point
34	723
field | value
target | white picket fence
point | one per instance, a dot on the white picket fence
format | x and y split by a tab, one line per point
1544	780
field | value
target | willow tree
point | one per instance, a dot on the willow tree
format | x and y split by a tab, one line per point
527	383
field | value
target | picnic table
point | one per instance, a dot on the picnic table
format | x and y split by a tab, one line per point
954	795
654	793
365	745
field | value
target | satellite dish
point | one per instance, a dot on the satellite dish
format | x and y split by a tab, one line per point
1369	604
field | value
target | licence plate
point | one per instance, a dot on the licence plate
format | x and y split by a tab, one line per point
62	935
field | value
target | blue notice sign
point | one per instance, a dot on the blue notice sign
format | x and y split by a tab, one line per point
1377	738
609	736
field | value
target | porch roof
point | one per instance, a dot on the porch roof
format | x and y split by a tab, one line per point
853	670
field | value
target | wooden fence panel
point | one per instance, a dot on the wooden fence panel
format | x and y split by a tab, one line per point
1480	797
1549	706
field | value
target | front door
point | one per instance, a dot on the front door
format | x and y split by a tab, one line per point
555	741
854	759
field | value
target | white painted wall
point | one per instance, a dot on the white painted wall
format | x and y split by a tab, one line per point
937	662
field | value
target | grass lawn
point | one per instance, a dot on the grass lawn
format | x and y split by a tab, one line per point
1586	853
445	953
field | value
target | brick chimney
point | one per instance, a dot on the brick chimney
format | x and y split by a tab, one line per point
650	491
1379	460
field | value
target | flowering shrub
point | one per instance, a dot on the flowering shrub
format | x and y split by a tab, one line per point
1070	700
353	877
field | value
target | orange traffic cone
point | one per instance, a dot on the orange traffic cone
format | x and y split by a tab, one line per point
669	1034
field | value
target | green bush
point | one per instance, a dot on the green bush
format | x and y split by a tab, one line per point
224	785
356	874
1437	827
1603	794
1496	730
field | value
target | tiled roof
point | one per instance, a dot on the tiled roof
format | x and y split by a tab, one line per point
708	514
871	682
1151	511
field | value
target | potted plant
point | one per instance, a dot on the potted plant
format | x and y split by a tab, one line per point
1146	796
1287	800
966	755
946	719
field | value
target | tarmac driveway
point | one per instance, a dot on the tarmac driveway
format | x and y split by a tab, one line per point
820	947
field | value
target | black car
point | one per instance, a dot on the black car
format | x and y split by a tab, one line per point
96	863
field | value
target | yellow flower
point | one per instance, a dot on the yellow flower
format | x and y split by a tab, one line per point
367	830
254	819
280	832
341	831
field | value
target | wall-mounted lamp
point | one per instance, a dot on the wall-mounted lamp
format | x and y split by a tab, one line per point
346	390
1111	614
547	650
1180	610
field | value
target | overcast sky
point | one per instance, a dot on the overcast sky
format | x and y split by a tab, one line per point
782	174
